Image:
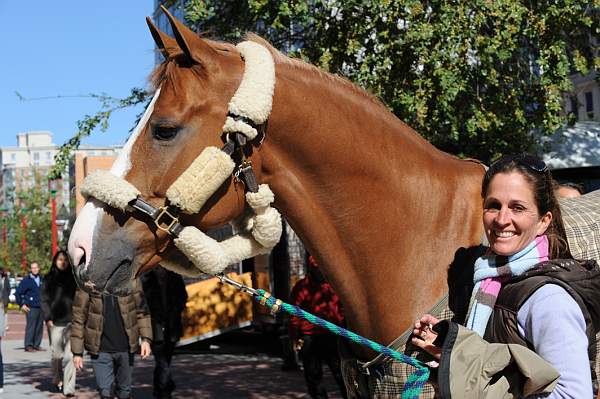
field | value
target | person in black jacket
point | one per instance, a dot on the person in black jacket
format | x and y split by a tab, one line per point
58	291
166	297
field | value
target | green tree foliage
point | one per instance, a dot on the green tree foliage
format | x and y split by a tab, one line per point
89	123
32	204
475	77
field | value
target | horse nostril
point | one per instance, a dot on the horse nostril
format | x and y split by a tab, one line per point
78	256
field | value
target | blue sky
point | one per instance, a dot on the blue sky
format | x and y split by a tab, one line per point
70	47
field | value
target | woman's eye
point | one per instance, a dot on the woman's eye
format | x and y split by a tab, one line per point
165	132
493	206
518	208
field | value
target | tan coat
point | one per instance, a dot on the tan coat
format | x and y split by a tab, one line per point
472	368
86	330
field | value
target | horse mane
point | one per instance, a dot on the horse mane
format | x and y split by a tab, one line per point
297	63
165	70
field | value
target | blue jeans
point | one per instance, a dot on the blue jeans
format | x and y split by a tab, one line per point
34	329
113	368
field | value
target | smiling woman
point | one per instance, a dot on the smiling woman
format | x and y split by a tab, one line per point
514	299
510	215
519	205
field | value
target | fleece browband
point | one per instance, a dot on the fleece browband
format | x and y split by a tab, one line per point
252	101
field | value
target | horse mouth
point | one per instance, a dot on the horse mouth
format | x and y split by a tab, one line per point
116	282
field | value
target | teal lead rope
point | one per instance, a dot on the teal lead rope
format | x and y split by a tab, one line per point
414	384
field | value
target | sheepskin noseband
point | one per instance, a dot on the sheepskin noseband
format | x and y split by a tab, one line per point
248	108
200	180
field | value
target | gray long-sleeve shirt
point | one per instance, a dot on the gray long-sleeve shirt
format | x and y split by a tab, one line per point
554	323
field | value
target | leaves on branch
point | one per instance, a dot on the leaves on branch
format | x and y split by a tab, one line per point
31	204
475	77
89	123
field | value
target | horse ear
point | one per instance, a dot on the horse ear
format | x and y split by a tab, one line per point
165	43
192	45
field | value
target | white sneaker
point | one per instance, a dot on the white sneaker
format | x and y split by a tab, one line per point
1	390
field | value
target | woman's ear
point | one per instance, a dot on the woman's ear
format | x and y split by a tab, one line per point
544	223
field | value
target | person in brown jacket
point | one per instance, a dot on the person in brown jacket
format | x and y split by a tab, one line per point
110	328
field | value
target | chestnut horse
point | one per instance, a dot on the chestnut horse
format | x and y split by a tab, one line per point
381	209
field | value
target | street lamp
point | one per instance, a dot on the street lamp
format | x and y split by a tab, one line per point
53	188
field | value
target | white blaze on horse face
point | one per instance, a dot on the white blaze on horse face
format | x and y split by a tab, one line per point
81	239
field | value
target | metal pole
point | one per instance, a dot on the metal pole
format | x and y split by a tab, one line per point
24	244
54	235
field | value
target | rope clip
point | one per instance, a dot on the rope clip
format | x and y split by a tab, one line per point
243	288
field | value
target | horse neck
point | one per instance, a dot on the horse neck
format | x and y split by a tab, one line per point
351	180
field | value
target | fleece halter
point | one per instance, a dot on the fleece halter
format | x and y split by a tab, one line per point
249	110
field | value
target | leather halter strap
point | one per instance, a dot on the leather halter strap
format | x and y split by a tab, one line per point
166	218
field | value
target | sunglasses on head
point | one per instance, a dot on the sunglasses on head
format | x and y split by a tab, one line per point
529	161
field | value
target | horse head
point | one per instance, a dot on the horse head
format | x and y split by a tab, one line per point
194	86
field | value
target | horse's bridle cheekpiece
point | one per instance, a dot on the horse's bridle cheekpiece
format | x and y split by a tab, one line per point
249	110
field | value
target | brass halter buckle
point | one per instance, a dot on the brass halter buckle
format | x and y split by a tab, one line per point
240	169
165	214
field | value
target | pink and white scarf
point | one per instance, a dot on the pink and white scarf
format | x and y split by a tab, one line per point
491	270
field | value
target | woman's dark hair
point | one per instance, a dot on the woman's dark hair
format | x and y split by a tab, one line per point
55	257
536	172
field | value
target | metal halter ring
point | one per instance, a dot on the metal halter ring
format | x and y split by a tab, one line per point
164	212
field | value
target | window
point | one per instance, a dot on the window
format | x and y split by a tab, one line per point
589	105
48	155
36	156
13	157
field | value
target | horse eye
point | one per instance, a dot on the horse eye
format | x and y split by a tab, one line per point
165	132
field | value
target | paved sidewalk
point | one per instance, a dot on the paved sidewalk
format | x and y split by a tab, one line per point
20	368
235	369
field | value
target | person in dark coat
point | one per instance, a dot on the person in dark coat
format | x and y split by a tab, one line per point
316	345
166	297
28	298
58	292
111	329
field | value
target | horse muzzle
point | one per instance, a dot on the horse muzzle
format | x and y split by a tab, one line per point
105	281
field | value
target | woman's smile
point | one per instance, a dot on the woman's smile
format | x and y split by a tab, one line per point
510	216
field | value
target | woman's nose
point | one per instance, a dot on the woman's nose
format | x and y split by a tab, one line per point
503	217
